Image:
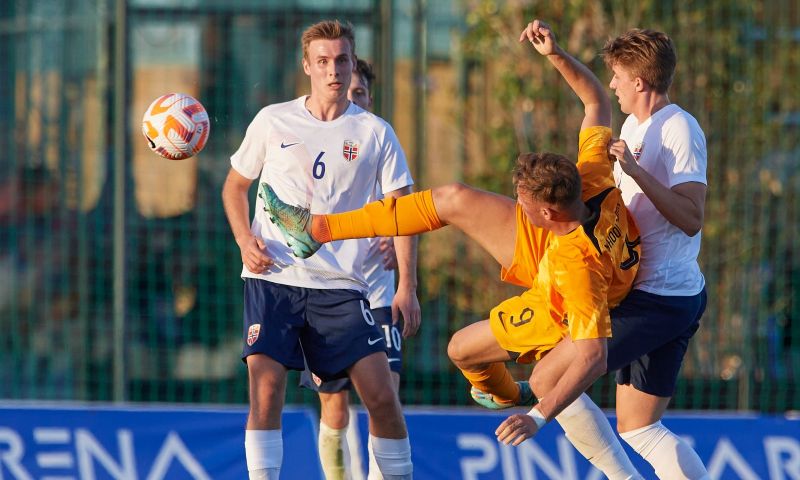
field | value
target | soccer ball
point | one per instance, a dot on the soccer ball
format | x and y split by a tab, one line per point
176	126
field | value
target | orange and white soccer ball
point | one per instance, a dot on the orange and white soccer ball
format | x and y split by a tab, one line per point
176	126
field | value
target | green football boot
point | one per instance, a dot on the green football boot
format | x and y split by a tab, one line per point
293	222
487	399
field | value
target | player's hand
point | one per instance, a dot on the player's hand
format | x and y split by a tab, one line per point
541	36
386	247
619	149
406	303
516	429
254	254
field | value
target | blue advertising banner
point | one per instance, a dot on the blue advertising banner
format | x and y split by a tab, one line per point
153	443
460	444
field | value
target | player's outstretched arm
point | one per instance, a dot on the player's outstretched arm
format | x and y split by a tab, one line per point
597	106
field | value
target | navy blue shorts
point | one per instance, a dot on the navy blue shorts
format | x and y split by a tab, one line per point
650	336
394	344
331	329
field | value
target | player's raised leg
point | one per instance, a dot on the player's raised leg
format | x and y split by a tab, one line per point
475	351
486	217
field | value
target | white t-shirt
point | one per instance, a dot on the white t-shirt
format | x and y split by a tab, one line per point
379	280
670	146
327	167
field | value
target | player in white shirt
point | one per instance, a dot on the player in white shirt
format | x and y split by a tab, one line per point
663	183
326	154
379	266
661	170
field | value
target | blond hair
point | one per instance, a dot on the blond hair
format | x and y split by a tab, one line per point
328	30
647	54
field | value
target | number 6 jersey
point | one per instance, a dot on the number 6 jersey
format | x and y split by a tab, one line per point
325	166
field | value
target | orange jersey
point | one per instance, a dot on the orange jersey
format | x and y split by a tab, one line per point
573	279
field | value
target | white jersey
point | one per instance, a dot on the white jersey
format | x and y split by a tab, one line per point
327	167
379	280
670	146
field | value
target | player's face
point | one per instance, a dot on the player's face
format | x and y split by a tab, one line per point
358	92
624	85
330	65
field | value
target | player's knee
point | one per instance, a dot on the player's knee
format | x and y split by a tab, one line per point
627	424
267	384
334	413
382	403
457	352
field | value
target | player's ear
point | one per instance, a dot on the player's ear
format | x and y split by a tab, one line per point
639	84
306	66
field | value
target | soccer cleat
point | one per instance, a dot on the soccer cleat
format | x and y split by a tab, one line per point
293	222
487	399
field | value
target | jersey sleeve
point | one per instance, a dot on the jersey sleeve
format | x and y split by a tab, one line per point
393	170
684	153
249	159
580	280
594	164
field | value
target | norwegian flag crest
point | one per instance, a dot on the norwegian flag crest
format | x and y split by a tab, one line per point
637	150
350	150
252	334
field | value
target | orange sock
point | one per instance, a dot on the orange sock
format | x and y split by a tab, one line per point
495	380
390	217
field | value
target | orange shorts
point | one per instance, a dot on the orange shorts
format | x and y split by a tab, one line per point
524	325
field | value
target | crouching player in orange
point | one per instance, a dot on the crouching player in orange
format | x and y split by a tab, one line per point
568	237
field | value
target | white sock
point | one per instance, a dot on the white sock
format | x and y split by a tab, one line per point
670	455
264	452
393	456
374	472
587	428
352	456
331	453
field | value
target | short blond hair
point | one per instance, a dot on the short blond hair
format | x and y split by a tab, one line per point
328	30
647	54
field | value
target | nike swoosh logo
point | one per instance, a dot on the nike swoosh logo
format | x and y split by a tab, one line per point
394	360
287	145
373	342
158	108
